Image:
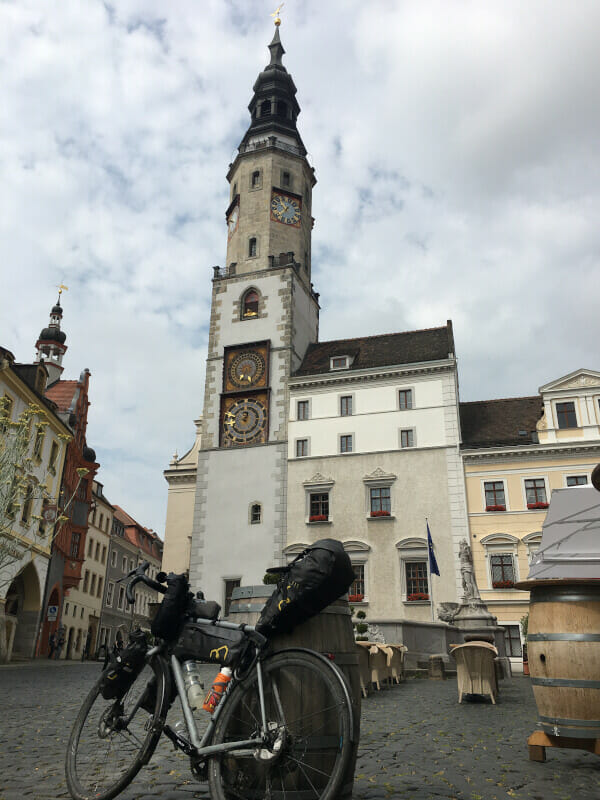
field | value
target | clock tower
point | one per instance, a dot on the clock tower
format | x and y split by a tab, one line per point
264	314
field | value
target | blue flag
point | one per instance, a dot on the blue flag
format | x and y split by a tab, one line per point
433	567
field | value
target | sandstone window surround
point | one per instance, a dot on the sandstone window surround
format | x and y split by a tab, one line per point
253	249
408	438
346	405
302	409
534	490
378	503
359	556
406	398
501	556
577	480
566	414
346	443
302	447
318	505
256	180
532	542
413	555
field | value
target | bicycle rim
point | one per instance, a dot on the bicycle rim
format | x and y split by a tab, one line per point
112	739
309	729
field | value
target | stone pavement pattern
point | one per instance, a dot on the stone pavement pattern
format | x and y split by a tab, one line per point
416	742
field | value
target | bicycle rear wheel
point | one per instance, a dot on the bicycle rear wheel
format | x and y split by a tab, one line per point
308	721
111	740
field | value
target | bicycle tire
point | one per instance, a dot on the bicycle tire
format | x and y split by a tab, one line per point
103	759
310	728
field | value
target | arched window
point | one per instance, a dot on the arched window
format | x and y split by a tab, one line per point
250	304
252	247
265	109
255	514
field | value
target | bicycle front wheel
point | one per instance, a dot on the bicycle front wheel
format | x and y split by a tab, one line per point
308	727
112	739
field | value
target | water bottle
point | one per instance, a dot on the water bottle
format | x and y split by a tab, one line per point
194	688
213	698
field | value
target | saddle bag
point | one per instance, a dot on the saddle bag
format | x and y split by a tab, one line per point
203	642
315	578
124	668
169	615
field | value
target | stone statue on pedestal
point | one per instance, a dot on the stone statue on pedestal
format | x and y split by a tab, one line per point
468	574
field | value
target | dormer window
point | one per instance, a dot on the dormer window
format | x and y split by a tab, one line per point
339	362
250	304
565	415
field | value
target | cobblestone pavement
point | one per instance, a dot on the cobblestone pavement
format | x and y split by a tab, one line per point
416	742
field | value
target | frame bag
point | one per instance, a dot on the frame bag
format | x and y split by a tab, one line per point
124	668
204	642
315	578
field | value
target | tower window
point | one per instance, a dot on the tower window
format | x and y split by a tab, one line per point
252	248
255	514
255	179
265	109
281	109
286	179
250	304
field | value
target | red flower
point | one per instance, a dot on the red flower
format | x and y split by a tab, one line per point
417	596
380	513
537	505
355	598
495	508
503	584
318	518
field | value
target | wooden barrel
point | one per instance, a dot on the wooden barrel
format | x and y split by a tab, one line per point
330	633
563	645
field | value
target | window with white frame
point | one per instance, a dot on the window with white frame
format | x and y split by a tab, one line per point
413	569
113	558
359	556
339	362
380	501
577	480
405	399
301	448
319	507
346	443
501	553
110	589
535	493
346	406
318	498
407	437
565	415
121	602
512	636
356	592
502	568
302	409
494	496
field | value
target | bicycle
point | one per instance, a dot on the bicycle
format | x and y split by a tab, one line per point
282	729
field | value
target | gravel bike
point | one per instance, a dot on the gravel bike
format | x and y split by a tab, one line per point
282	729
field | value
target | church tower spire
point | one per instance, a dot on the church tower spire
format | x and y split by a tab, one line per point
269	220
50	346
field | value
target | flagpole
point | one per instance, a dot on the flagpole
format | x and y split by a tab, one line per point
429	578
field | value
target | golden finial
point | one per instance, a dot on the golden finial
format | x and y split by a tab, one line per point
276	14
62	287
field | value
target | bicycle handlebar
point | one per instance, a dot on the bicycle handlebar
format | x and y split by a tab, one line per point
139	576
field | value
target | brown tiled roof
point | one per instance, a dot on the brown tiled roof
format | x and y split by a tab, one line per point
61	393
497	423
137	534
386	350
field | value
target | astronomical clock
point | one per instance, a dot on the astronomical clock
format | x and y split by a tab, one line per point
245	398
286	208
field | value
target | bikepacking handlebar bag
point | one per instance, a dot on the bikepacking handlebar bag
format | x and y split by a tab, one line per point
124	668
204	642
169	616
315	578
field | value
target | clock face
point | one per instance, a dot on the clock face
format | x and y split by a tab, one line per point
244	422
285	209
232	221
246	369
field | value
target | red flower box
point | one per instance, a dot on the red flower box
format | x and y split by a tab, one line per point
380	513
537	505
318	518
355	598
503	584
495	508
417	596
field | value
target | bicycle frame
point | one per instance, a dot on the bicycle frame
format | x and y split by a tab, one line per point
201	745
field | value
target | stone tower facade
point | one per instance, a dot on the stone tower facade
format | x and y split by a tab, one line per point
264	315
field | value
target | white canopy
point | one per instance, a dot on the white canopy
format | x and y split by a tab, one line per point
570	545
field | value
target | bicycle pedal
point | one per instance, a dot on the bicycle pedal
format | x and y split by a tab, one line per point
199	770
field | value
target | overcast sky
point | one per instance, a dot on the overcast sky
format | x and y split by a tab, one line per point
457	152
